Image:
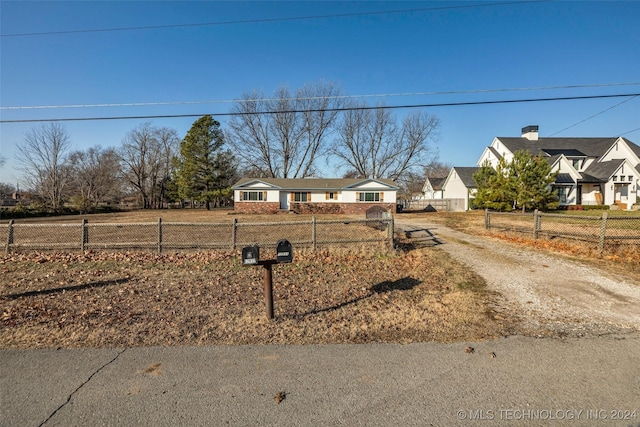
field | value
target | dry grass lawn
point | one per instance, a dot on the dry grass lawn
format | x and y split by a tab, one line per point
116	299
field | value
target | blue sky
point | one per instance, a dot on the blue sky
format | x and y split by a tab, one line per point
447	47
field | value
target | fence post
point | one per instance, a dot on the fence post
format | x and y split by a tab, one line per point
603	231
536	224
487	220
390	230
10	237
234	236
85	234
159	235
313	232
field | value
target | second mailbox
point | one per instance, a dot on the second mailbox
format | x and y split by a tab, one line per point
284	251
250	255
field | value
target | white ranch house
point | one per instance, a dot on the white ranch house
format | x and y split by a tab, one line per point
591	171
313	195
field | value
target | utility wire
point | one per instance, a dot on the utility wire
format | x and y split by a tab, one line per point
391	107
378	95
263	20
595	115
630	131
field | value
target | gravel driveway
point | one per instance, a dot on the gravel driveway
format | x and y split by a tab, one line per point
551	293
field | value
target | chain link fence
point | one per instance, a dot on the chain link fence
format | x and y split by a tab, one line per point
160	236
601	232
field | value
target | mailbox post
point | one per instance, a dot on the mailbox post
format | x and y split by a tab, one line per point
251	256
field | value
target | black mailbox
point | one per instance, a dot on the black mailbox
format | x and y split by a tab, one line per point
250	255
284	251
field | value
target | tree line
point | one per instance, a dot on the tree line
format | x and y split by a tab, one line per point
283	135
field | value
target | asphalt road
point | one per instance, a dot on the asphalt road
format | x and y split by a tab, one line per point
530	381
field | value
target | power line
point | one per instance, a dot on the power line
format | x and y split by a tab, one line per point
390	107
263	20
630	131
378	95
595	115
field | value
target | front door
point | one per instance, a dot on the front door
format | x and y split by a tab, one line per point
284	200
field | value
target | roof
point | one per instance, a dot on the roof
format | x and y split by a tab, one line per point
495	152
466	175
314	183
591	147
567	152
603	170
564	178
634	147
436	183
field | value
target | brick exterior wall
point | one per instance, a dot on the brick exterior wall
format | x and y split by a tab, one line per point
257	207
311	208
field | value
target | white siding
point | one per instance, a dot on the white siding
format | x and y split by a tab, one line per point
455	188
620	150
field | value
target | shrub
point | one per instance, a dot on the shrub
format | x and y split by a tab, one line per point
596	207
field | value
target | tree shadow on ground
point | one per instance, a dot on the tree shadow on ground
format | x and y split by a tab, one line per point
91	285
404	284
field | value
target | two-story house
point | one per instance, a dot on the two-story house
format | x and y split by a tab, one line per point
591	171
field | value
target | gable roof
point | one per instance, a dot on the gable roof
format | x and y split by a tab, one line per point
436	183
634	147
591	147
603	170
466	175
314	183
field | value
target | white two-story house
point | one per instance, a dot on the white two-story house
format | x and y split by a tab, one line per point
591	171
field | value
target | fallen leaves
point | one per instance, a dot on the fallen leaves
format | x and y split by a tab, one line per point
139	299
280	397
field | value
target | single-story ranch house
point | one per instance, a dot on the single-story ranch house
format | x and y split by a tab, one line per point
591	171
313	195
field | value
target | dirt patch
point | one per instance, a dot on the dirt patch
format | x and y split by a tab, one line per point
139	299
555	295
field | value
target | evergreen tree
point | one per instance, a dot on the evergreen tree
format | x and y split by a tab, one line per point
533	180
523	183
203	169
483	179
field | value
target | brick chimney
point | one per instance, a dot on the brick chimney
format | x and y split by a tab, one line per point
530	132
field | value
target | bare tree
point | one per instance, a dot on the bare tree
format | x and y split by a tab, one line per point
6	190
169	142
145	159
370	143
94	177
283	136
437	169
42	157
2	160
412	182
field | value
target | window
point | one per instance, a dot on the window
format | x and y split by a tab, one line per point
256	196
576	164
369	197
562	194
330	195
615	177
301	197
622	178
